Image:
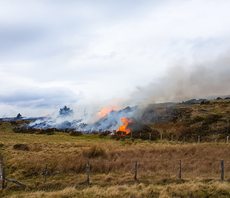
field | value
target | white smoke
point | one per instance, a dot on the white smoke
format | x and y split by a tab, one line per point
184	81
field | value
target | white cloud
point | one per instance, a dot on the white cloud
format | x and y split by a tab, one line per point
103	49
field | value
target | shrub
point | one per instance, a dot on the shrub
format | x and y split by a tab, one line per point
205	102
144	133
104	134
47	131
75	133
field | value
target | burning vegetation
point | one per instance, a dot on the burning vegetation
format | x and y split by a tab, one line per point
207	119
105	111
124	128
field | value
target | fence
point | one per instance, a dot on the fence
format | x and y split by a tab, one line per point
197	138
191	138
179	169
3	179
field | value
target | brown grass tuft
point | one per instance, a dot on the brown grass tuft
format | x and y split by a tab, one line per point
22	147
94	151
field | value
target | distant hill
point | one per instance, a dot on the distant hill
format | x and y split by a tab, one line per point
208	119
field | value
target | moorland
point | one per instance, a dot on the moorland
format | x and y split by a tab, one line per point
112	159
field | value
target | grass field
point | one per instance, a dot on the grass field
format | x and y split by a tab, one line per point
112	165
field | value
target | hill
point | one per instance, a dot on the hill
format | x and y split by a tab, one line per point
208	119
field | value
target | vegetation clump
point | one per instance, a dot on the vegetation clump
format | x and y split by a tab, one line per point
104	134
94	151
211	118
75	133
22	147
33	130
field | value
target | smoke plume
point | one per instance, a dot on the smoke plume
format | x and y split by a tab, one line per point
183	81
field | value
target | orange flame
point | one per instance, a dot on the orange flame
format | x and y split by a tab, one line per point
40	129
123	128
105	111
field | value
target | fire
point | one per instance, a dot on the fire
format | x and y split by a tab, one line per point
123	128
105	111
40	129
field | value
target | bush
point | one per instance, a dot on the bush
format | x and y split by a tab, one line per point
104	134
75	133
21	130
47	131
144	133
205	102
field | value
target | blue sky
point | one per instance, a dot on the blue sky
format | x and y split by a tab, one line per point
98	53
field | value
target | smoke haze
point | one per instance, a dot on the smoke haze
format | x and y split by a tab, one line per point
184	81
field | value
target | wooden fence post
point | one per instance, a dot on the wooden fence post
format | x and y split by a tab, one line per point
1	179
227	138
45	173
87	172
227	126
214	138
222	170
198	139
179	170
150	136
171	137
2	173
135	177
161	137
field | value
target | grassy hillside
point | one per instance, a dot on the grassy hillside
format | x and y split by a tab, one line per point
209	120
112	161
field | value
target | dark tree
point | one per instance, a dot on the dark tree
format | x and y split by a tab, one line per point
65	111
19	116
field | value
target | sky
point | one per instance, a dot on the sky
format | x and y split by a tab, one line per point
95	53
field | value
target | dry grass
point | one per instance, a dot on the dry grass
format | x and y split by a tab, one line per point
138	190
112	166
